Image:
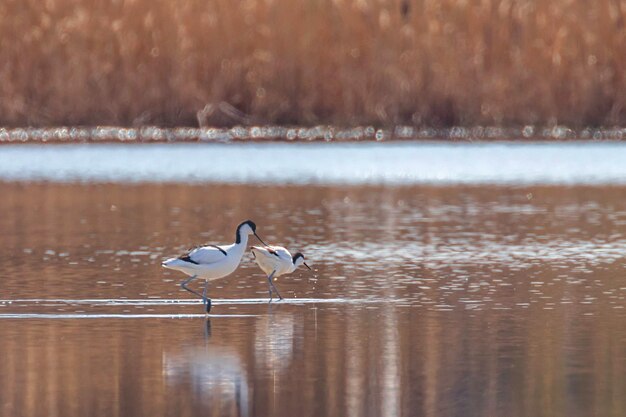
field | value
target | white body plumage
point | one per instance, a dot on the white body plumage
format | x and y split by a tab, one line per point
274	258
210	262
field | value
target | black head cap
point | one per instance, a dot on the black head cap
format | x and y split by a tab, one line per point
249	223
238	234
296	256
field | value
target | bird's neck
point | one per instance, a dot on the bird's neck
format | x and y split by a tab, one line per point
241	239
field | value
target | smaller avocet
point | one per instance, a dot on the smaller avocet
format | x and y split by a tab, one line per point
276	261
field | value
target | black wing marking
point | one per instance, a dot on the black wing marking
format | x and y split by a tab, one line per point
186	258
218	248
273	252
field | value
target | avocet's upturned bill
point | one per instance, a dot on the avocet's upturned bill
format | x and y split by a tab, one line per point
276	261
212	262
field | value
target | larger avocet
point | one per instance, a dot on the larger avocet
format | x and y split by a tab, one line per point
212	262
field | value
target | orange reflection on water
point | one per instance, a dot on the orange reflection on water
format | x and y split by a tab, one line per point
443	301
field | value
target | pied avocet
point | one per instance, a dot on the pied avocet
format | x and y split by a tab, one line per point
276	261
213	262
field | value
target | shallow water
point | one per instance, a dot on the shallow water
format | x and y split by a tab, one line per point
399	163
424	300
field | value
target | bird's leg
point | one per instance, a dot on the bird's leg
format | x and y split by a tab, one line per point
272	286
280	297
269	283
187	281
206	301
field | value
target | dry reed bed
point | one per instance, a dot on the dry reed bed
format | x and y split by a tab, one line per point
424	63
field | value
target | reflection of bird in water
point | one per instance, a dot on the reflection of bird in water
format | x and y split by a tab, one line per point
405	8
213	262
218	376
215	373
276	261
274	339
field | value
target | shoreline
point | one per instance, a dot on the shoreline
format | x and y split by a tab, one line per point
320	133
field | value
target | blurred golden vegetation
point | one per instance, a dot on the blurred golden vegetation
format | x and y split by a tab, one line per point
383	62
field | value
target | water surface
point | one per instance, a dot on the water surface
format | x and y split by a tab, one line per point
560	163
424	300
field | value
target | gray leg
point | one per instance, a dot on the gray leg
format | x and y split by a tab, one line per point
206	301
187	281
272	286
276	289
269	283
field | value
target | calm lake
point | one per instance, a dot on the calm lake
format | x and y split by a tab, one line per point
448	280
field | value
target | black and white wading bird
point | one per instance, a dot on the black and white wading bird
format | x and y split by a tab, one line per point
276	261
211	262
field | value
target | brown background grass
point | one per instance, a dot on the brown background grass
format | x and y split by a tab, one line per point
426	62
